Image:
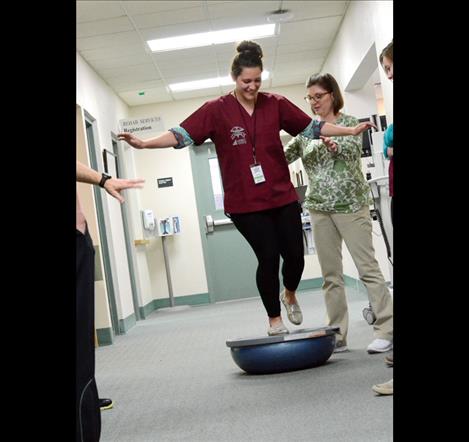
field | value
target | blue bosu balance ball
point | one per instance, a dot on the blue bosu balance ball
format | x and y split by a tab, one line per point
305	348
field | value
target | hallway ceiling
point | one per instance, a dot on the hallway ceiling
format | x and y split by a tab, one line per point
111	38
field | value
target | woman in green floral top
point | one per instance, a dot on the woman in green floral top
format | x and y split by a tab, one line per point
338	202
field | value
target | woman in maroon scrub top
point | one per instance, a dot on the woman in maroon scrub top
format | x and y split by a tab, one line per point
259	196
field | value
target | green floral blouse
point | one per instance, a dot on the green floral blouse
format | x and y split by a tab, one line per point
336	181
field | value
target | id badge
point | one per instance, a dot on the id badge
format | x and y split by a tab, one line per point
257	173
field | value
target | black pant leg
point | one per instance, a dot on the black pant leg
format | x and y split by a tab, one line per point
88	414
289	231
258	229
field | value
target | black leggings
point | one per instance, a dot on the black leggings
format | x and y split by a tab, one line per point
273	233
88	414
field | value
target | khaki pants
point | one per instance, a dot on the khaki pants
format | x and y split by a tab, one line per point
355	229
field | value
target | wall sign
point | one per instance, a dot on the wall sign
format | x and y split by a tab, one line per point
143	124
165	182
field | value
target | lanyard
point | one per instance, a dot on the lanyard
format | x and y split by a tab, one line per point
251	138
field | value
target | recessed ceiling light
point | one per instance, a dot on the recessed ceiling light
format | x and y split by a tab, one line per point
207	83
211	38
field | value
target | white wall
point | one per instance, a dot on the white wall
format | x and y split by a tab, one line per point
184	251
366	25
97	98
361	103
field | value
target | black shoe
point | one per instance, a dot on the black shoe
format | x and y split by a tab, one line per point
105	404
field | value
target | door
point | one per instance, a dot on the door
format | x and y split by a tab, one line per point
112	166
230	262
104	249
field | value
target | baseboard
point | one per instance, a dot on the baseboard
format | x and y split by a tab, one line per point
310	284
127	323
105	336
155	304
201	298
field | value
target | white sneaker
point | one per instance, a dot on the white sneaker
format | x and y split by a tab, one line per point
278	329
385	389
379	346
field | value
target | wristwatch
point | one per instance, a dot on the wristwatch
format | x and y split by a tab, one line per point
104	178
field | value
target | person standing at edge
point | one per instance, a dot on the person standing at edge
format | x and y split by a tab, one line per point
87	402
387	62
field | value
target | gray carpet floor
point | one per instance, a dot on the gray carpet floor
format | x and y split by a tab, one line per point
172	378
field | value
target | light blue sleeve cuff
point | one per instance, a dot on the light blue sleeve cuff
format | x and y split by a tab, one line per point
388	140
182	136
313	129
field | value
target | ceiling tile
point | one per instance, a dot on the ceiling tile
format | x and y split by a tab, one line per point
122	61
142	86
312	9
147	69
111	40
174	17
92	55
149	7
92	10
101	27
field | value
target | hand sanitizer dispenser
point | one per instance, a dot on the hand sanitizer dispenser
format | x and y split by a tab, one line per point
148	220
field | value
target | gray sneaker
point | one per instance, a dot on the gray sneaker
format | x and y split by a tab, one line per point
340	346
293	310
278	329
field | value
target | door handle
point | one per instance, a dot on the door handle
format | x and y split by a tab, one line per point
210	223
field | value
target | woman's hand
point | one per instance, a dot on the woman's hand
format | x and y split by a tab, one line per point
330	144
359	128
390	151
131	139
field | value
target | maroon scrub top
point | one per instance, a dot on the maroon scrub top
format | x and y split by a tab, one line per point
231	128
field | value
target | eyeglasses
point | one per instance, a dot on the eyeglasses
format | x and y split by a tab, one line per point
316	98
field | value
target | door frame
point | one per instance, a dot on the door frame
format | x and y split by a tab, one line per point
96	163
131	259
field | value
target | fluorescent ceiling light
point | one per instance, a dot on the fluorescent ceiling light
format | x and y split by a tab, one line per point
207	83
211	38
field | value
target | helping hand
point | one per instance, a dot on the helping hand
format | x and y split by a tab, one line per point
131	139
114	186
330	144
359	128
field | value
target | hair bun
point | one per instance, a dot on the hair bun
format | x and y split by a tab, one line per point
249	47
